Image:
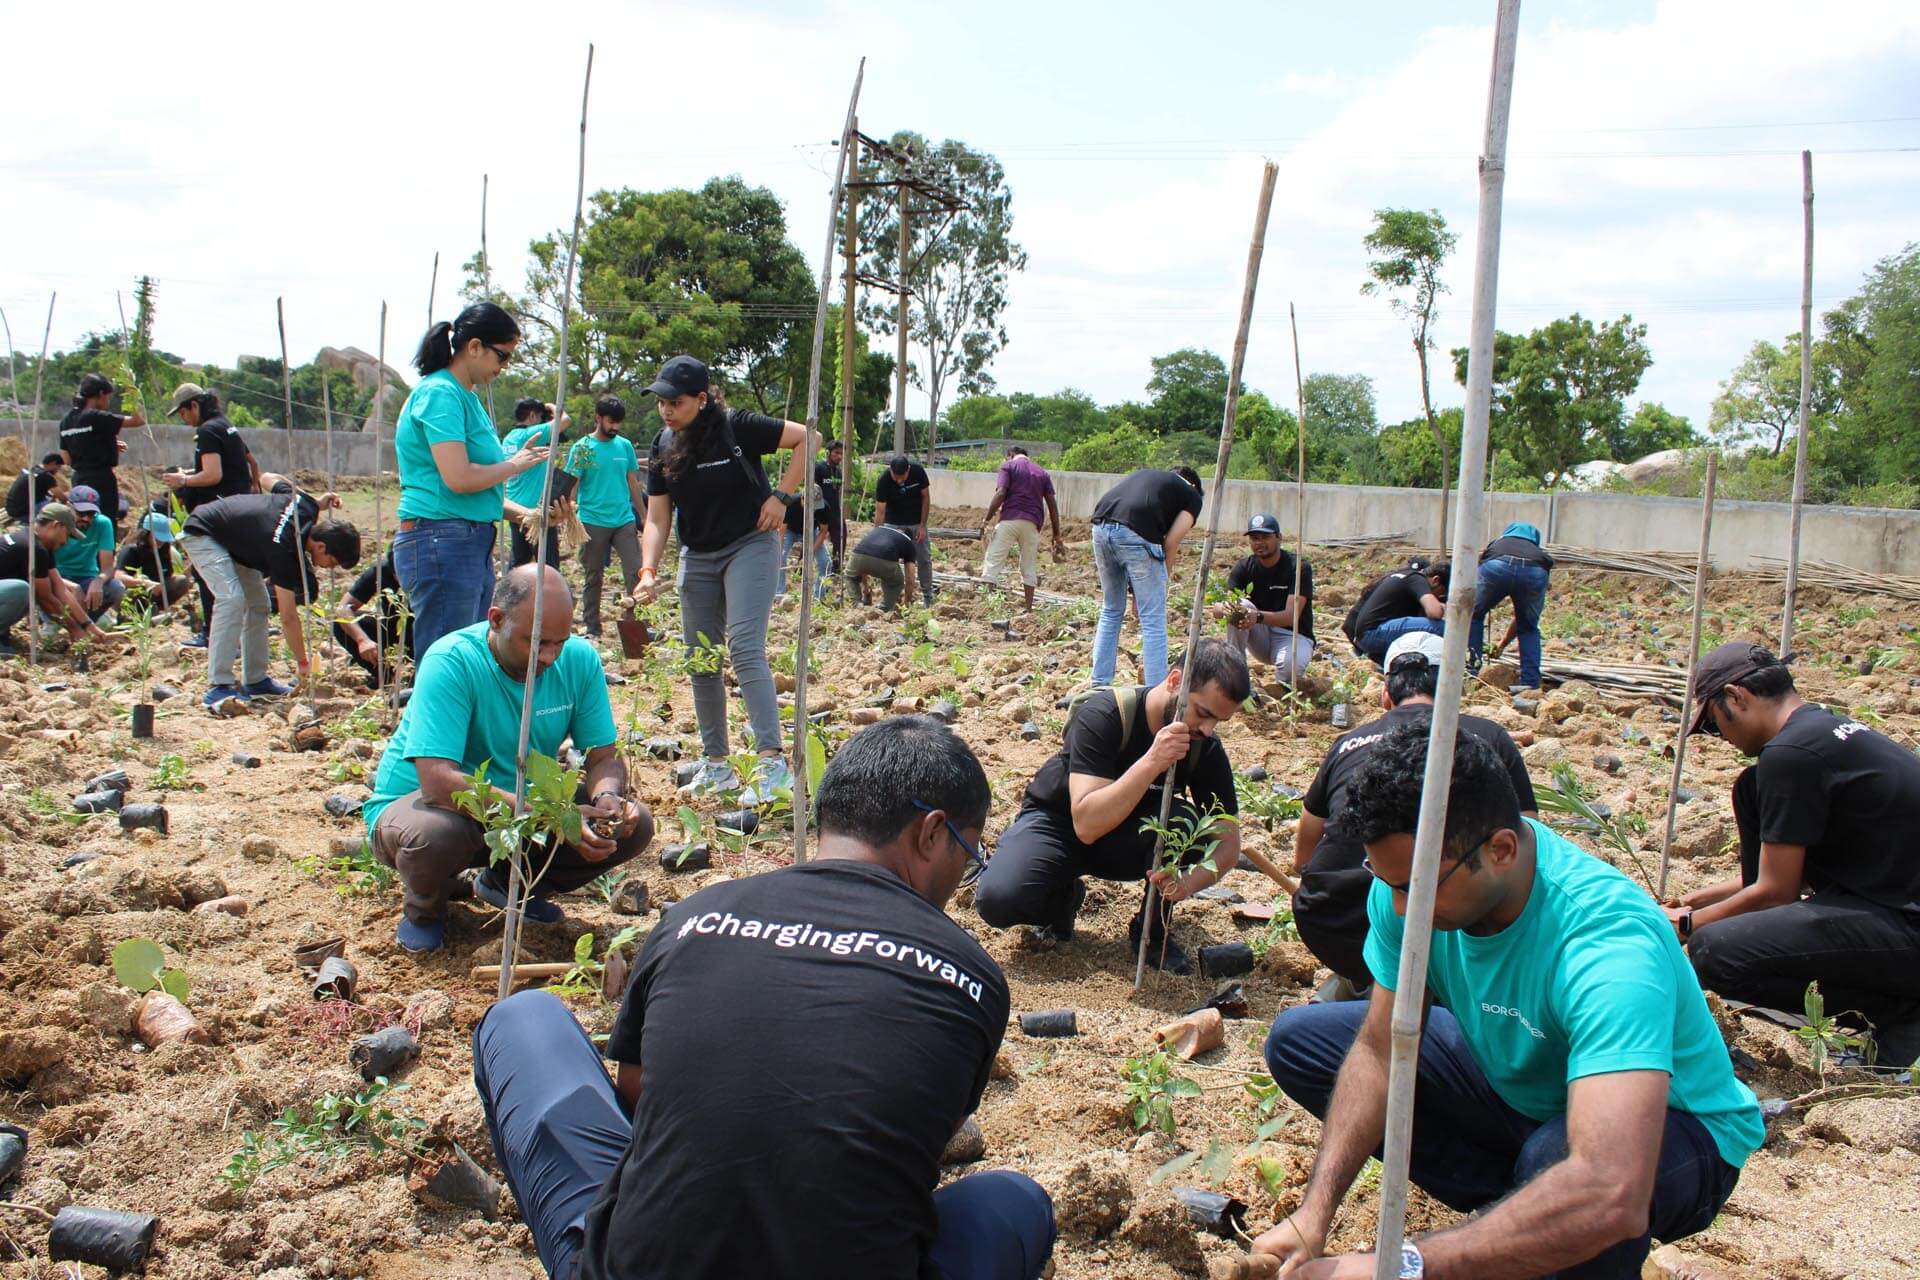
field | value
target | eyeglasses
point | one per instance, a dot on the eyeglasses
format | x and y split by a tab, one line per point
973	854
504	357
1367	863
1709	723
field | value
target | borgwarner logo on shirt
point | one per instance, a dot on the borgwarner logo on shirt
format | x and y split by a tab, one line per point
1504	1012
726	924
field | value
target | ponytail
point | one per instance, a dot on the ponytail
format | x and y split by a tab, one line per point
482	320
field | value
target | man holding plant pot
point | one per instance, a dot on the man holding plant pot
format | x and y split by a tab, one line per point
465	716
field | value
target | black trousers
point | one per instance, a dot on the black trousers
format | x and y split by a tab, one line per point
1865	956
1331	913
1039	860
837	535
523	548
375	628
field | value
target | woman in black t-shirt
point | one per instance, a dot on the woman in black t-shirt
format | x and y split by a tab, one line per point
705	476
90	437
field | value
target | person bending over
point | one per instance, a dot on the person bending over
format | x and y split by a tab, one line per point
1409	599
465	714
1512	567
1331	906
1083	810
1019	489
1574	1093
794	1051
793	532
1138	526
145	562
24	585
1829	886
904	497
86	559
1268	619
885	555
244	545
608	497
43	480
369	637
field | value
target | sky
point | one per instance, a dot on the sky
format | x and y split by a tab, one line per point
241	154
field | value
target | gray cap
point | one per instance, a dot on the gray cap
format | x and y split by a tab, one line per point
60	513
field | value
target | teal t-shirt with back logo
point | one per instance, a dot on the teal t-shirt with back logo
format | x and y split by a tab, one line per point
603	498
1589	980
441	411
467	709
79	558
527	487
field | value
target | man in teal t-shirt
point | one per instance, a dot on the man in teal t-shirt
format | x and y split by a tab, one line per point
465	713
534	426
1572	1083
608	497
86	561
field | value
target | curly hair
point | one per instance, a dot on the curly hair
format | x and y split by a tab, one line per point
698	441
1385	797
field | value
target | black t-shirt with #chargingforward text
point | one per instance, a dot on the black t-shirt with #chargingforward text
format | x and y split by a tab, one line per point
883	543
218	436
91	438
809	1039
257	530
1096	748
1851	797
1518	549
1148	502
14	553
900	498
1269	588
1397	595
717	501
137	556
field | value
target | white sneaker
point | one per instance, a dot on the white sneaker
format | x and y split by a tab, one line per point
715	777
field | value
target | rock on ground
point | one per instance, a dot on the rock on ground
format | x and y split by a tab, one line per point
1091	1194
1872	1124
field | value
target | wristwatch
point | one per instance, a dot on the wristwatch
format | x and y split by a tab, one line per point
1686	922
1412	1265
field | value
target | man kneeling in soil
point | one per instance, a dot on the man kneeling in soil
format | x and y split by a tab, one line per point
465	714
810	1038
1084	808
1570	1074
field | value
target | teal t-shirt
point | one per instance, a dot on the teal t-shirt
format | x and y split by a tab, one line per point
1589	980
441	410
527	487
603	498
79	559
465	708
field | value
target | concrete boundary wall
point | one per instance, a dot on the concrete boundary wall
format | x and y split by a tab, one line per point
1871	539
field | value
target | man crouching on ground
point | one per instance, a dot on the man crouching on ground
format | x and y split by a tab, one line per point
794	1052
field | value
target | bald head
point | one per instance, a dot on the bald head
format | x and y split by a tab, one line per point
516	590
510	620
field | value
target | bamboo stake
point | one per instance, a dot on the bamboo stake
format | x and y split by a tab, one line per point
803	626
1196	616
1693	660
433	287
1300	479
379	534
900	338
516	884
326	411
146	497
1410	987
33	431
1806	405
293	470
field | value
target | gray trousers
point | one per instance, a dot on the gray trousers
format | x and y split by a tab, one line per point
1289	653
238	628
602	541
727	597
14	596
922	560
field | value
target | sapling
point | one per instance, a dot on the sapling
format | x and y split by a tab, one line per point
1260	800
1617	831
584	977
1280	928
1181	834
1151	1087
550	812
1824	1035
335	1127
141	966
171	774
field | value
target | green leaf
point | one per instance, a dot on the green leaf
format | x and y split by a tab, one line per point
1272	1127
816	760
1816	1004
689	822
137	962
1273	1174
1171	1167
1217	1163
583	948
174	983
624	937
1181	1087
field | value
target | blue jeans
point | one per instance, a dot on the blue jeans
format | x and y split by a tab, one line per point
1128	562
1470	1148
559	1131
446	569
1376	642
821	565
1525	584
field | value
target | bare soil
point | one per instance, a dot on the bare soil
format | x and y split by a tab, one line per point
117	1125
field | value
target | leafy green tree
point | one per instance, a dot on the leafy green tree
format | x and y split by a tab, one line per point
1187	392
1410	457
1342	426
1407	249
1872	347
958	266
978	418
1123	448
1651	429
1760	400
1063	417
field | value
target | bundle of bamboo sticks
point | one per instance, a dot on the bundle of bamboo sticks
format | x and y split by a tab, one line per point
1673	566
1839	577
1630	679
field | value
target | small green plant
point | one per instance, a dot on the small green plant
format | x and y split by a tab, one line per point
1185	832
355	872
607	885
550	812
172	774
701	658
347	769
362	722
691	830
141	966
1259	800
1273	1175
1573	802
1279	929
336	1126
136	619
1368	1179
1824	1035
1263	1094
1151	1087
584	977
1854	613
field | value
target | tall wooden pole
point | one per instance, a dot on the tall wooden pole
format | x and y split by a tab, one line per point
1693	660
33	432
1300	475
326	418
1806	404
293	476
433	287
374	425
1196	616
516	884
146	495
900	342
1411	983
850	246
803	626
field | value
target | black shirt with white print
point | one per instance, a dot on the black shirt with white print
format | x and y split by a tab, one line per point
1148	502
1269	588
883	543
717	502
1851	797
900	498
218	436
1096	747
14	554
809	1039
91	438
1397	595
257	530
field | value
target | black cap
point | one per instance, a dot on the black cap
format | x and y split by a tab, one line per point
898	462
1263	523
681	376
1730	663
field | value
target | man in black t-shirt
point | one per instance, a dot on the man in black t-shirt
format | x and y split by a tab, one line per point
1083	810
1829	887
1330	908
43	478
368	636
794	1051
886	555
90	438
1138	526
1514	566
1394	604
53	524
904	497
794	529
826	474
1267	618
241	546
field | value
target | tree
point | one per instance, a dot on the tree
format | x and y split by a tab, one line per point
1123	448
1187	392
1412	457
979	418
1871	352
958	266
1063	417
1760	400
1408	248
1342	426
1651	429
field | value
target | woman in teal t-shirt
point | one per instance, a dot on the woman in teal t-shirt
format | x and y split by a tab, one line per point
452	470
